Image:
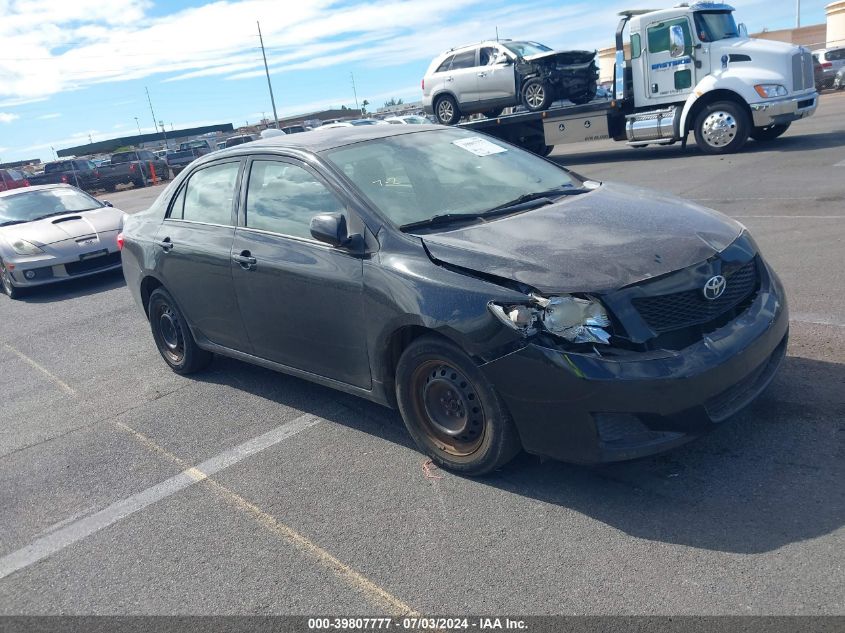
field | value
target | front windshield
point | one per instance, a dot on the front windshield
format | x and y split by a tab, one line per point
715	25
524	49
127	157
414	177
34	204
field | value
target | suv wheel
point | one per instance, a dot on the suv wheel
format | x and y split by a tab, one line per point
722	128
6	283
452	412
536	95
446	110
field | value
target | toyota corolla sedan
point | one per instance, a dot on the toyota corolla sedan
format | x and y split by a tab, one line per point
499	301
52	233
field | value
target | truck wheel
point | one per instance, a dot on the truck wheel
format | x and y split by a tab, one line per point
451	410
536	95
722	128
768	133
446	110
492	114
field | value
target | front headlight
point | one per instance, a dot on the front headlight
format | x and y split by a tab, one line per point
22	247
578	320
769	91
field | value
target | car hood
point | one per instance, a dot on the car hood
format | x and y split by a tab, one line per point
562	57
611	237
67	226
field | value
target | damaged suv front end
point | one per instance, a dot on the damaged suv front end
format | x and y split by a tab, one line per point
571	75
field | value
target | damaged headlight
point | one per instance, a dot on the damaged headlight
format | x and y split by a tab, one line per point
578	320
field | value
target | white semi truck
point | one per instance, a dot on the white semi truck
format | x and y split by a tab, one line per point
690	69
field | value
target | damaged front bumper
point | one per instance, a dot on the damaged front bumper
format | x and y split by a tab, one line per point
586	408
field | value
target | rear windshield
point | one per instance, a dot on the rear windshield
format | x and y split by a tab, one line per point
39	203
125	157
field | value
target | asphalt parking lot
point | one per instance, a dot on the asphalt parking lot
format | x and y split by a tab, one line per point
127	489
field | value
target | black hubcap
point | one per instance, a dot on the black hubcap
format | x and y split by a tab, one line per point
171	333
452	411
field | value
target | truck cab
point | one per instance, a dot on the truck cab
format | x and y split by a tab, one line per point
692	68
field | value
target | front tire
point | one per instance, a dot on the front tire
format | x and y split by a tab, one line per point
536	95
722	128
451	410
9	289
768	133
446	110
172	336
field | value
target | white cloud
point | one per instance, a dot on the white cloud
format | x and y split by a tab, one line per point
8	117
51	115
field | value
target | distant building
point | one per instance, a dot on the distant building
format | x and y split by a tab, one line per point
16	164
173	137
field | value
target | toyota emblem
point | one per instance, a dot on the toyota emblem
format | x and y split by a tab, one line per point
715	287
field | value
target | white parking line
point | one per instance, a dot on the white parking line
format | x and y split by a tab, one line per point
78	530
794	217
60	383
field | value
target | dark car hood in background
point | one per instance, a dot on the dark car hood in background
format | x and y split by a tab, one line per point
563	57
611	237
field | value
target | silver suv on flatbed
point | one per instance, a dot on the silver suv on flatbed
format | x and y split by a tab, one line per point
492	75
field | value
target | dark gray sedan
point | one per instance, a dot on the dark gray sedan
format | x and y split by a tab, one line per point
52	233
498	300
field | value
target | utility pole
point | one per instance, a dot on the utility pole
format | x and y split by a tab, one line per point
164	132
138	125
267	72
355	92
797	14
155	124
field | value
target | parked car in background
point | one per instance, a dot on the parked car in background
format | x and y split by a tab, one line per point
839	80
494	75
831	60
81	173
221	145
12	179
408	119
818	74
133	167
239	140
202	146
335	124
177	161
498	300
52	233
295	129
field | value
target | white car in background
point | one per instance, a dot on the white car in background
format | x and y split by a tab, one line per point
408	119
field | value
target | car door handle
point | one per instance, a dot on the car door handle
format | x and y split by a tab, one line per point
166	245
246	260
482	74
450	79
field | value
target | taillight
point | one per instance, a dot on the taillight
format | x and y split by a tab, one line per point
826	64
131	166
120	241
422	83
26	183
64	179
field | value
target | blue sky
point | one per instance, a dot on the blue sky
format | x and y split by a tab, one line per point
70	68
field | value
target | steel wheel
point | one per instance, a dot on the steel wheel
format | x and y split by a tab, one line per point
535	95
449	407
719	128
170	330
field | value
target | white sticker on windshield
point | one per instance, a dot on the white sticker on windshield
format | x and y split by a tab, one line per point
479	146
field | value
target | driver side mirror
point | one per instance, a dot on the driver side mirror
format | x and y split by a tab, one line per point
330	228
743	30
107	203
677	41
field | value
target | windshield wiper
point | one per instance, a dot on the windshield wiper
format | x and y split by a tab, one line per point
440	220
535	196
11	222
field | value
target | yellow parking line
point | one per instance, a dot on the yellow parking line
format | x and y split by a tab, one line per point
344	572
60	383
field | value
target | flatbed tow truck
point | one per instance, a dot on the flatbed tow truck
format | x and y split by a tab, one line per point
690	69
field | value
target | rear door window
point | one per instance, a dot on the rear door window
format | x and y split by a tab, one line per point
442	68
208	195
463	60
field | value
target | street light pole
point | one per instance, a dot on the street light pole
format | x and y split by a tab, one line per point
150	101
267	72
355	92
139	126
797	14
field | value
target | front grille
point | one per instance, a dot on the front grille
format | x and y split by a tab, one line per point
802	71
92	264
664	313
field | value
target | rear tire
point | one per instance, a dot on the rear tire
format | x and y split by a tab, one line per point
768	133
722	128
451	410
9	289
172	336
446	110
536	95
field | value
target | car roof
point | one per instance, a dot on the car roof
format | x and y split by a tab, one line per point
14	192
322	139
